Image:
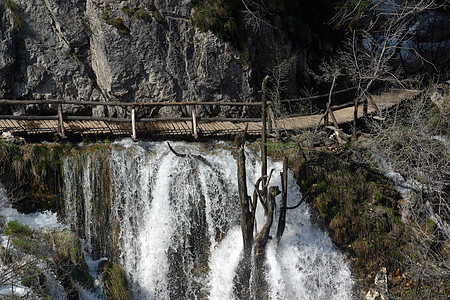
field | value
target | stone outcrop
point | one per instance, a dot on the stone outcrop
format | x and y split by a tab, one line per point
116	51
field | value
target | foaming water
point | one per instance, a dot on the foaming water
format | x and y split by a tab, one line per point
34	221
179	234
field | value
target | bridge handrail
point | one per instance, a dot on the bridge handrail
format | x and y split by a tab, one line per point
63	117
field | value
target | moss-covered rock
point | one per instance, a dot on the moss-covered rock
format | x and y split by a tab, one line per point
68	256
360	210
31	173
115	282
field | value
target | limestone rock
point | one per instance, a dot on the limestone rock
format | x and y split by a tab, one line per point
104	51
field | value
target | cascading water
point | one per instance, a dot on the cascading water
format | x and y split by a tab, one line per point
179	235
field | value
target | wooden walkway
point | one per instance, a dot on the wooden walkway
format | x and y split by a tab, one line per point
181	129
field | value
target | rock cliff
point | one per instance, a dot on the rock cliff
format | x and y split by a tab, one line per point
116	51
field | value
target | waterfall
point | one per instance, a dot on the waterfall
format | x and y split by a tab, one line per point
175	224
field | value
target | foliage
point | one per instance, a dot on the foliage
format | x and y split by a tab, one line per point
18	229
11	5
223	18
361	211
350	13
68	255
32	172
26	245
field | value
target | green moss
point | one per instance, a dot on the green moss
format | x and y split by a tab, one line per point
158	17
122	29
141	14
359	208
69	256
18	229
115	281
26	245
13	7
126	10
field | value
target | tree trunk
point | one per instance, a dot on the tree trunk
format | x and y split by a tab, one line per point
260	247
242	278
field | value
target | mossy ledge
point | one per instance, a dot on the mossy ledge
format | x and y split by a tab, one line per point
361	211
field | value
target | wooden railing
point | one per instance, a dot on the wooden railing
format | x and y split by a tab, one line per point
61	117
266	110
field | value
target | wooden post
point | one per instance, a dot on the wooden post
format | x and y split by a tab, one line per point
273	122
60	121
194	122
133	123
283	205
263	135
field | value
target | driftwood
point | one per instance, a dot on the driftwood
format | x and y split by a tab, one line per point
199	157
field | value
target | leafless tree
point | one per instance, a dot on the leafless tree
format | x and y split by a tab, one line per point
254	15
379	31
415	142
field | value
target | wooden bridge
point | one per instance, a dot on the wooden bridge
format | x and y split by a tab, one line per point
63	125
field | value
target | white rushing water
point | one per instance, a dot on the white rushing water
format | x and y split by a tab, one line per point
179	226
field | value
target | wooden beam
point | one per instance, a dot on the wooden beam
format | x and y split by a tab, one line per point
60	122
133	124
194	122
274	123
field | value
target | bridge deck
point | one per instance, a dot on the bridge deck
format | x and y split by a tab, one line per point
184	128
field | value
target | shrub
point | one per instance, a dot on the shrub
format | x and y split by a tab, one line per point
118	24
224	19
126	10
26	245
141	14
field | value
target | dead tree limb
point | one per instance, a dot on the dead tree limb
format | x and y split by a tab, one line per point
247	213
282	217
199	157
174	152
260	246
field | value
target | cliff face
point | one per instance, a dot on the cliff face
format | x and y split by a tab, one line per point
112	50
